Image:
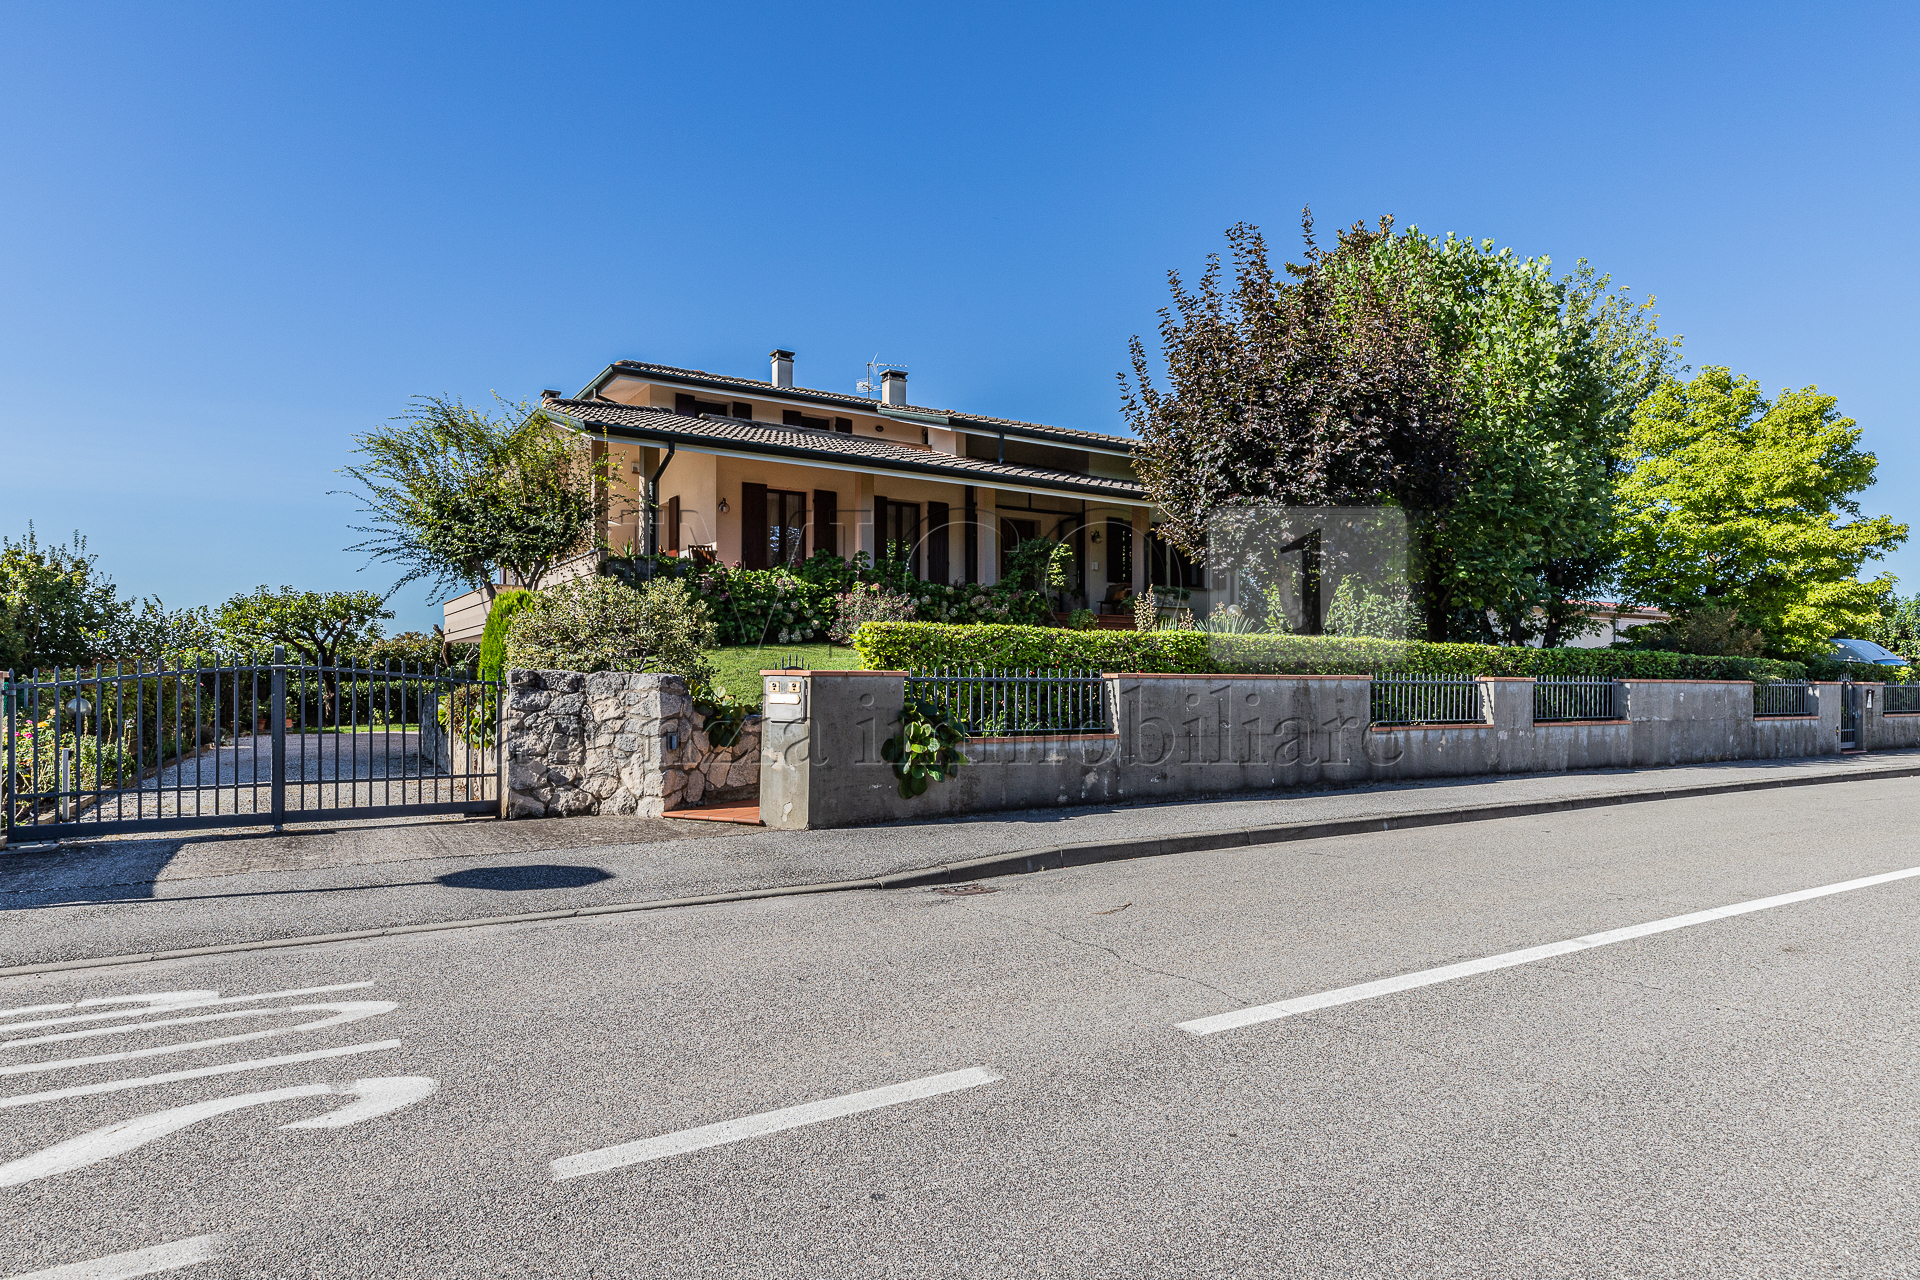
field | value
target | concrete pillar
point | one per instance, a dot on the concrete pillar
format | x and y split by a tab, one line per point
989	531
1872	707
1506	703
866	534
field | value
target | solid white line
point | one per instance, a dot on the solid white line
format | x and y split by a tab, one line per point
344	1011
714	1135
141	1262
1506	960
257	1064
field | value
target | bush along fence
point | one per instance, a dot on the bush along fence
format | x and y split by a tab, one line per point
920	646
1164	736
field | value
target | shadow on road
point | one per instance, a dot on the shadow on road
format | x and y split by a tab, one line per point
519	879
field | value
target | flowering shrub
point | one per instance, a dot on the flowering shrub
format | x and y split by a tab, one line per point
868	602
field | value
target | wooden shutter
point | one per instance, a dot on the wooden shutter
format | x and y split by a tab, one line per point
879	530
910	534
937	542
673	524
826	514
753	526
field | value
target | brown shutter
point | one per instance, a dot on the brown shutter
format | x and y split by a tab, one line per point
673	524
879	530
912	536
753	526
826	514
937	542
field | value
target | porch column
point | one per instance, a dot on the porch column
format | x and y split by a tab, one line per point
867	538
989	535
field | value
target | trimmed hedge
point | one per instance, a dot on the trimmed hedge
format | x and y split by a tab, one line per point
925	646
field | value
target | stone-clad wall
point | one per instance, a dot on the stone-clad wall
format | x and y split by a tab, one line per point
614	742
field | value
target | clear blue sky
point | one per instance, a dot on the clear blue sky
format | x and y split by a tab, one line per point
231	236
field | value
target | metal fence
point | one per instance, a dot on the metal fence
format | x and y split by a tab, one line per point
1787	698
1001	703
149	747
1896	699
1404	699
1576	698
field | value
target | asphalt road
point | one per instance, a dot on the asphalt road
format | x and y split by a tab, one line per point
1732	1097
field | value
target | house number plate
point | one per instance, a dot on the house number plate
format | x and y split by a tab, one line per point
786	700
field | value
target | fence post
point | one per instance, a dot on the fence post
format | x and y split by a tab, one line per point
7	782
278	704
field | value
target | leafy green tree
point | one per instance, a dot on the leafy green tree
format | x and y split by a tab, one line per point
457	496
319	627
1548	371
56	608
1898	627
1734	501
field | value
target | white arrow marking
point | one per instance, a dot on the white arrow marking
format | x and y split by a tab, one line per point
345	1011
714	1135
170	1001
377	1097
138	1082
171	1256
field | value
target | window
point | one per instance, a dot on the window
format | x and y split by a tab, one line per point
1012	534
786	527
773	527
1119	555
898	526
693	407
794	418
743	410
844	425
1168	566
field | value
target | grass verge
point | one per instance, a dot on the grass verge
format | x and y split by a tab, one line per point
737	668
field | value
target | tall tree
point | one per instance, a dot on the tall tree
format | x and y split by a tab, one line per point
1732	500
56	608
318	626
1320	390
455	496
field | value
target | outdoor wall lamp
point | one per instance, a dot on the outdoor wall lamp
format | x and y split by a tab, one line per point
1096	538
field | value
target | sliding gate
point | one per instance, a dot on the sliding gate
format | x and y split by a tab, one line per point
156	748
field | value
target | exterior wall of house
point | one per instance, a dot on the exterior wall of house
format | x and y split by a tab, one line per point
1184	736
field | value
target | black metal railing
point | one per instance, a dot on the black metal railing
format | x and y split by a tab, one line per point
1786	698
1899	699
1407	699
147	746
1002	703
1575	698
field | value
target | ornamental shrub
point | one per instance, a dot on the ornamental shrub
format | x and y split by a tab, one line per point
507	604
597	624
913	646
865	602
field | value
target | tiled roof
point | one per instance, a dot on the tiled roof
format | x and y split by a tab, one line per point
1034	430
831	447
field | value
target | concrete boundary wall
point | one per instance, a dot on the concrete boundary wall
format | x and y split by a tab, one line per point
1177	737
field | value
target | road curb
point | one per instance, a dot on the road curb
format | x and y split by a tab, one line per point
1026	861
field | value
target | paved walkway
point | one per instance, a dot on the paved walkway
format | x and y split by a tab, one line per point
324	878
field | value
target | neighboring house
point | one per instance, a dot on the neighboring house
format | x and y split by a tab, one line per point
1612	622
766	473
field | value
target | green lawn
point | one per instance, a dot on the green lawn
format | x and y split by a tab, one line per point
737	668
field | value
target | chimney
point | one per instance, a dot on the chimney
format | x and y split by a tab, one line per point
549	395
782	368
893	387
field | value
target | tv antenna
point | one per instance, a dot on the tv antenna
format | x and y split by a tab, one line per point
870	386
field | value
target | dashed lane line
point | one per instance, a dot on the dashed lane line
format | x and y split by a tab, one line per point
1508	959
715	1135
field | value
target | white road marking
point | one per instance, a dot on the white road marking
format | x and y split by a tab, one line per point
1506	960
171	1256
172	1002
256	1064
344	1011
714	1135
377	1097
